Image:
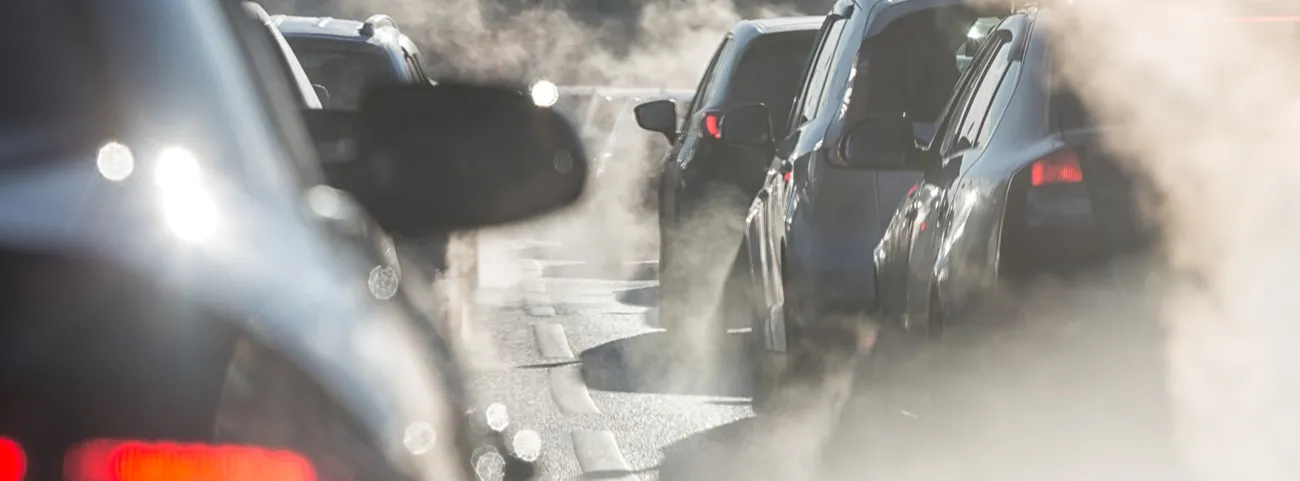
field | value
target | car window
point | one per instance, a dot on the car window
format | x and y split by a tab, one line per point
960	101
985	86
344	68
814	88
56	99
291	68
768	74
706	82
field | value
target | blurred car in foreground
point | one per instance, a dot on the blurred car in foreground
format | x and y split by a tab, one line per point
809	231
185	300
706	184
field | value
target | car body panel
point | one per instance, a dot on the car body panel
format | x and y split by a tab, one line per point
270	267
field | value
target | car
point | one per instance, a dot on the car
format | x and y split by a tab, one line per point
804	266
706	184
343	57
1019	171
184	294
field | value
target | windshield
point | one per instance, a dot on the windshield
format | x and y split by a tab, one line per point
344	68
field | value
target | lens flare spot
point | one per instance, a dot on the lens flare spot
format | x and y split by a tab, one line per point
420	437
115	162
497	417
383	282
527	445
489	464
176	169
544	93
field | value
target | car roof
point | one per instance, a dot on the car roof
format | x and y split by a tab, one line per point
763	26
329	28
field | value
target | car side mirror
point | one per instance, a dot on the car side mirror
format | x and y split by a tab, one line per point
323	94
452	156
658	116
881	142
747	125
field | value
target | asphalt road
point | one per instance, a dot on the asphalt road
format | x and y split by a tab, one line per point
567	347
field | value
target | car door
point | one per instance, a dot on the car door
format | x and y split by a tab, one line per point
768	213
958	143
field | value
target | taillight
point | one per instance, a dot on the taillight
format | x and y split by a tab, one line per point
13	461
711	125
912	190
788	176
111	460
1059	168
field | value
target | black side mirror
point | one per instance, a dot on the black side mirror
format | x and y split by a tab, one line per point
882	142
748	125
323	94
454	156
658	116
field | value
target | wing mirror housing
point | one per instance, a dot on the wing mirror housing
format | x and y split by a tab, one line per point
424	159
747	125
879	142
658	116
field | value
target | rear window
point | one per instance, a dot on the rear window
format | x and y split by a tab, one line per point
50	96
344	68
769	73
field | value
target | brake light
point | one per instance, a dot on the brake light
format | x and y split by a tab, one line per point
1059	168
913	189
788	176
13	461
711	125
111	460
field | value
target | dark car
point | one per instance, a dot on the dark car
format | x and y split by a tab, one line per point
808	231
182	294
1019	171
706	184
342	57
346	56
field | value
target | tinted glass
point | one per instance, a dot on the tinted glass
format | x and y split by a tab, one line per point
768	73
987	85
706	82
812	95
344	69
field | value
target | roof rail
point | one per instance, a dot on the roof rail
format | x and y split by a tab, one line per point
375	22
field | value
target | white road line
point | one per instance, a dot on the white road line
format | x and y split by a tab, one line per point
536	301
598	453
570	391
551	341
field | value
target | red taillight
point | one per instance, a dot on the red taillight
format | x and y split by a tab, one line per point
13	461
913	189
711	125
788	176
1059	168
108	460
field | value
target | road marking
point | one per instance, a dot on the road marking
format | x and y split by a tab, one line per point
570	391
599	456
551	341
536	301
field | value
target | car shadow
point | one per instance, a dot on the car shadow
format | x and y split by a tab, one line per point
648	363
622	271
641	296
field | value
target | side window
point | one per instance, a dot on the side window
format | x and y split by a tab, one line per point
814	88
706	82
958	103
985	88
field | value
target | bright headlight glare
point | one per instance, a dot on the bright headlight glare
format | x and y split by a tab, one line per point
188	208
544	93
